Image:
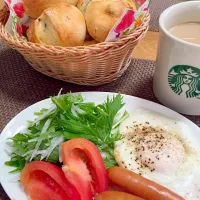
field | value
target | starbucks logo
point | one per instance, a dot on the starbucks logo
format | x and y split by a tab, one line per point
184	80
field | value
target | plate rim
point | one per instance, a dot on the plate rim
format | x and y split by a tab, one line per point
115	93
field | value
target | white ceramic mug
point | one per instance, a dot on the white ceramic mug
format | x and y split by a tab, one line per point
177	73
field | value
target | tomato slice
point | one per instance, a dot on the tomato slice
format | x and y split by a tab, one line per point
46	181
84	167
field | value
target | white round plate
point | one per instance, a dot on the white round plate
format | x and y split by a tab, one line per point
13	188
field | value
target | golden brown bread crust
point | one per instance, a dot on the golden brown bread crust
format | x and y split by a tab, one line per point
34	8
82	5
31	33
60	25
101	15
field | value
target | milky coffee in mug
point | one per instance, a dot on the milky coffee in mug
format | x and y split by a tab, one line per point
189	32
177	73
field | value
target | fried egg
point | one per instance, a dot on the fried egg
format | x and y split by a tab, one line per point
160	149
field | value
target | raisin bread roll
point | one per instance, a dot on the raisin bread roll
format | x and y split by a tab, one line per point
61	25
101	15
34	8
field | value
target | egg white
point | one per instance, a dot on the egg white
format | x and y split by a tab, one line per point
181	177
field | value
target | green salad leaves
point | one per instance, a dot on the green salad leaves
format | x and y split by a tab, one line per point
69	117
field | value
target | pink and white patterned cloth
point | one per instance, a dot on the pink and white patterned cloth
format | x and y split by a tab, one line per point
129	20
18	18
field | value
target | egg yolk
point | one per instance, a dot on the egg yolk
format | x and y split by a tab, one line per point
160	151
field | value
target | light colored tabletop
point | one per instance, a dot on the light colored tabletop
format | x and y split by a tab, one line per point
146	49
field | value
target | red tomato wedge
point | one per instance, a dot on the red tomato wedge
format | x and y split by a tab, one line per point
84	167
46	181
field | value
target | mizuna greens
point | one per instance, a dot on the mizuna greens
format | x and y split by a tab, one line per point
68	117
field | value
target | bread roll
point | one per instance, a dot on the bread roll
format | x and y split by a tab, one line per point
89	42
34	8
31	33
82	5
61	25
131	4
101	15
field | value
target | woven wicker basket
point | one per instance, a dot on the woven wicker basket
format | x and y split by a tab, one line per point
86	65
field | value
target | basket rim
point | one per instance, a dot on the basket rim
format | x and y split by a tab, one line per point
136	33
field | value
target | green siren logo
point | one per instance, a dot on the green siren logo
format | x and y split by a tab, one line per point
184	80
